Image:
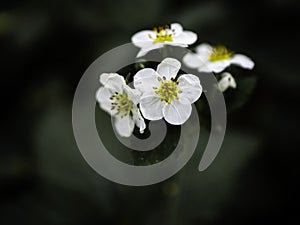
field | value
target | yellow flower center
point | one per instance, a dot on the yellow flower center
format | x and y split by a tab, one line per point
122	103
220	53
168	90
162	34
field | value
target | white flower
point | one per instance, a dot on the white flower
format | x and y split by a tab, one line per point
226	81
163	96
120	101
174	35
215	59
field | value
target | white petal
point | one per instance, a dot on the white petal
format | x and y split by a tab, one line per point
226	82
168	68
190	86
204	68
186	37
192	60
216	67
142	38
141	53
103	97
176	44
177	28
103	94
145	79
204	49
177	112
243	61
133	94
145	49
151	107
113	81
124	125
138	119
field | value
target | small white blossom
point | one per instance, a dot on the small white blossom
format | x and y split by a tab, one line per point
165	97
120	101
226	81
215	59
174	35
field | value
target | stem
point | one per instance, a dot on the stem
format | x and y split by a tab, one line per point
127	77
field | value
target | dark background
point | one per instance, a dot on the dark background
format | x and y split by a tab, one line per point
45	48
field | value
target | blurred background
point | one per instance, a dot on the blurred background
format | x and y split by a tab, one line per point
45	48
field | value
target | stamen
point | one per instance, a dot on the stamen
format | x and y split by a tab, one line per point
167	91
122	104
220	53
162	34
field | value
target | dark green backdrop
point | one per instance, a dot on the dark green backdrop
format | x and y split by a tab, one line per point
45	48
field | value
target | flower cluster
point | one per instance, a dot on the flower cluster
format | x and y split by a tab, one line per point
207	58
158	93
162	93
